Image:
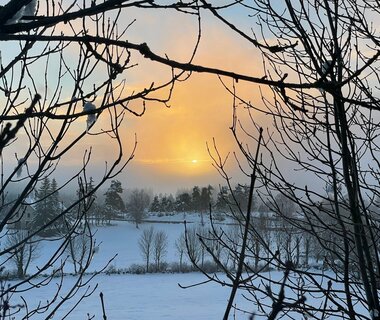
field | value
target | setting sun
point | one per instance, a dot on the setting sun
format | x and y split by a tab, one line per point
194	161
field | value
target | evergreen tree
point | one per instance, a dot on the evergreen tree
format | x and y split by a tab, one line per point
48	207
206	197
56	204
114	204
155	206
196	198
163	203
239	198
170	204
54	200
240	194
222	199
183	202
43	205
90	187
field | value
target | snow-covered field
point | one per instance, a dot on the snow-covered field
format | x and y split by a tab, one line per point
128	296
137	297
122	239
147	297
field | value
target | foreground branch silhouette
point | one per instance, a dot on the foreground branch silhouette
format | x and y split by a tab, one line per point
319	89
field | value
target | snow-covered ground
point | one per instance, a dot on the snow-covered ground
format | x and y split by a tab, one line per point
147	297
153	296
138	297
121	239
128	296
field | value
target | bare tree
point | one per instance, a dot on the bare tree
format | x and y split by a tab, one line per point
23	252
80	247
320	66
180	246
146	245
233	236
193	245
160	248
68	63
324	130
138	202
62	64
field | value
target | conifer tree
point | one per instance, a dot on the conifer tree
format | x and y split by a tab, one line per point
114	204
196	198
155	205
47	207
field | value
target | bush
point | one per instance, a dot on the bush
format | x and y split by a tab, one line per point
210	267
136	269
112	270
174	267
164	267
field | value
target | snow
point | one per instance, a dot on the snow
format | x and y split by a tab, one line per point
122	239
143	297
128	296
150	296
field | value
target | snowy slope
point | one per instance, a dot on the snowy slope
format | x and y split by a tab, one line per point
147	297
122	239
138	297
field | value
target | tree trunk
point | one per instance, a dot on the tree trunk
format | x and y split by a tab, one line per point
307	249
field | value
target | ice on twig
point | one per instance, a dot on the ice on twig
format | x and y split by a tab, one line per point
28	10
20	164
91	118
31	8
16	17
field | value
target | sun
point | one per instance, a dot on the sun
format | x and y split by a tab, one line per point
194	161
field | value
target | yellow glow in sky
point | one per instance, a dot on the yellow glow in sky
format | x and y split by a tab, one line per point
172	151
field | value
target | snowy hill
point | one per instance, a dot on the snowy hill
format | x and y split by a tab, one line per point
128	296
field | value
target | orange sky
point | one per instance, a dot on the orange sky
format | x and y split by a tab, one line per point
201	109
172	141
171	151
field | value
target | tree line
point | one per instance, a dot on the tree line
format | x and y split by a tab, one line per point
46	204
311	108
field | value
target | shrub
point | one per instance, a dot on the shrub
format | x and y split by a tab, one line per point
210	267
136	269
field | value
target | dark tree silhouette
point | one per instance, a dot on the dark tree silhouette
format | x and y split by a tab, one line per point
137	204
113	202
319	84
323	131
147	246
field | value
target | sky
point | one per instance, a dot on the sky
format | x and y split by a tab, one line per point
172	148
172	151
172	142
